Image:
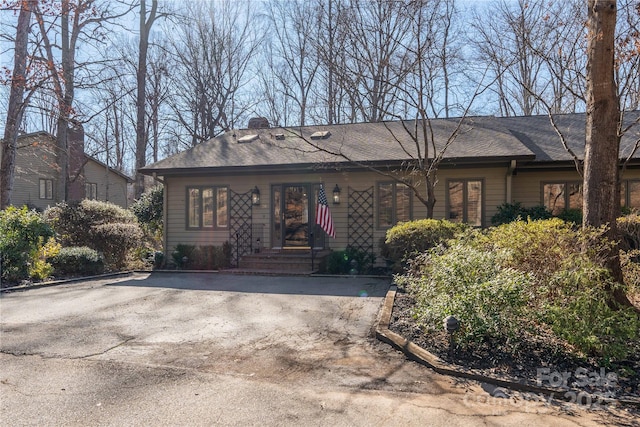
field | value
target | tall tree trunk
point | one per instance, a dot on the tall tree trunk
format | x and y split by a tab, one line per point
16	105
141	79
65	103
601	202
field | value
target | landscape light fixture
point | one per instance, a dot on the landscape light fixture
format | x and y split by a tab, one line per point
451	325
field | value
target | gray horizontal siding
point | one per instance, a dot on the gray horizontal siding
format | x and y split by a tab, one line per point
176	231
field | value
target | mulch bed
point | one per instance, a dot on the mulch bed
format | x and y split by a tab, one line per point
542	351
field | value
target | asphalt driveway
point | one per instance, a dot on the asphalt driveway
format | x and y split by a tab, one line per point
215	349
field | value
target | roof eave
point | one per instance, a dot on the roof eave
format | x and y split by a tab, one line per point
339	165
634	163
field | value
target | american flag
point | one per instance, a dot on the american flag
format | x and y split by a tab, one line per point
323	214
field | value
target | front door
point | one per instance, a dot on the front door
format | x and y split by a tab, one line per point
293	216
296	216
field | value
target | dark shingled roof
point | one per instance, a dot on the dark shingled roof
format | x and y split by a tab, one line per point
540	137
480	139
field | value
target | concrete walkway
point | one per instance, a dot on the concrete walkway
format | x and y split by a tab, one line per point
216	349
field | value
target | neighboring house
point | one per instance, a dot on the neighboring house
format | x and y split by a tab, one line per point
37	171
211	190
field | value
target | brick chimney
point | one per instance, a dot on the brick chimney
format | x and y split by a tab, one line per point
258	123
77	159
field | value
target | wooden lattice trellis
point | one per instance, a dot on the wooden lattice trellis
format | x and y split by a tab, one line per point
361	220
240	230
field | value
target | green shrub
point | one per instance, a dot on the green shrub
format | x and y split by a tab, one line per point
22	233
556	272
180	252
626	210
469	284
158	259
40	267
571	292
226	253
578	311
537	212
509	212
336	263
630	262
202	257
210	258
629	230
349	261
77	260
411	238
115	240
148	209
573	216
102	226
544	247
73	222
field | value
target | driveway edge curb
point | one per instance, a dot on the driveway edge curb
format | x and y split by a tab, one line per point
64	281
422	356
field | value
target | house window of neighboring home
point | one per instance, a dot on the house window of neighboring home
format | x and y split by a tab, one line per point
558	196
394	204
630	194
207	207
91	190
464	201
46	189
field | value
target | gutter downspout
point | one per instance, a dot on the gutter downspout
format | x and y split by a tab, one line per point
510	173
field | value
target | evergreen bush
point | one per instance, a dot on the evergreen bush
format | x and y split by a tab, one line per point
629	229
542	274
573	216
469	283
77	260
22	234
509	212
102	226
411	238
349	261
207	257
148	209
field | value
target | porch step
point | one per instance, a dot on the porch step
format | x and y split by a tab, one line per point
283	261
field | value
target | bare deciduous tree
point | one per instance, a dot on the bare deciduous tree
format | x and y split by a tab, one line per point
375	56
409	92
74	22
213	53
519	71
294	29
274	104
17	102
331	49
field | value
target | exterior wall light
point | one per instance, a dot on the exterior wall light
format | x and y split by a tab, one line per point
255	196
336	195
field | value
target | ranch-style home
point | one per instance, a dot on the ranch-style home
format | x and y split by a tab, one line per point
37	172
257	188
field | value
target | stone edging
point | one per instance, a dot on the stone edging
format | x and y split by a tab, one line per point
422	356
